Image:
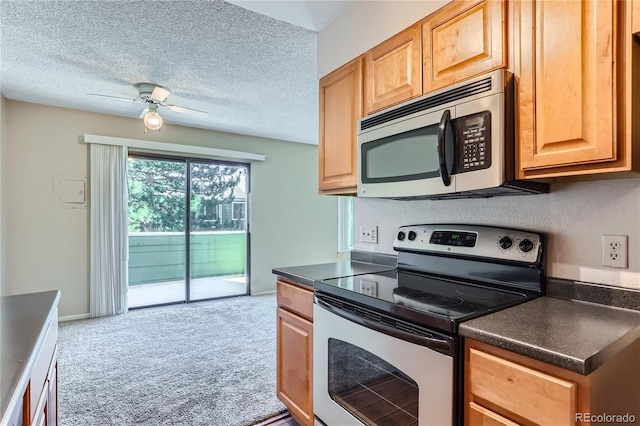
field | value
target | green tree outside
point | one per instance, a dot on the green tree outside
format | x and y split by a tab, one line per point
157	191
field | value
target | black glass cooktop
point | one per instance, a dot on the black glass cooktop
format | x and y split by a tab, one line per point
428	300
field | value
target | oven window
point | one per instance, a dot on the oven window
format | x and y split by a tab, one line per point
369	388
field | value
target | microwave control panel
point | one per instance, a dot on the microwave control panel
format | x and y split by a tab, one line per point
473	136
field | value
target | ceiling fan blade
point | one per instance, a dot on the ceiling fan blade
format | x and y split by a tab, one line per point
184	110
117	98
159	94
144	112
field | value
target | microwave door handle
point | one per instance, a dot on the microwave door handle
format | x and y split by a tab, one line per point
442	161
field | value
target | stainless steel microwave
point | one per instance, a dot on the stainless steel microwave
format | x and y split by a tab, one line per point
457	142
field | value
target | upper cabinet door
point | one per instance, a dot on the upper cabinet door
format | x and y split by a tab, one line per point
565	66
393	71
340	108
635	25
462	40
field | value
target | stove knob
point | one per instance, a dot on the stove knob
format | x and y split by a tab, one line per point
401	235
525	246
505	243
412	235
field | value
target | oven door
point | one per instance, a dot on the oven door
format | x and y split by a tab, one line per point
373	374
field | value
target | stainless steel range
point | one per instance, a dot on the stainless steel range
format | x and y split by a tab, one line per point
386	348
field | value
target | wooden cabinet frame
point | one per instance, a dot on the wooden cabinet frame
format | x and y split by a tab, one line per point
461	40
40	400
573	87
612	388
393	71
340	108
295	350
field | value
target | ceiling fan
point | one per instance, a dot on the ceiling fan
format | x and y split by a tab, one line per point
153	96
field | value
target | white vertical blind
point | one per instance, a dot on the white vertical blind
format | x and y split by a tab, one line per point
108	260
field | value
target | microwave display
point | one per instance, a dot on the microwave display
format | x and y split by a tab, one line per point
473	137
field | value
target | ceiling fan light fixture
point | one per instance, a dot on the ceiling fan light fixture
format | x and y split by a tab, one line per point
152	119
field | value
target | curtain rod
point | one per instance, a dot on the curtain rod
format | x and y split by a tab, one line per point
173	147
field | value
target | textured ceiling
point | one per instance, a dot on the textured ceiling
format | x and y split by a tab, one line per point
253	74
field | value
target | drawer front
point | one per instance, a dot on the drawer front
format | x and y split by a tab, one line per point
480	416
528	393
295	299
41	366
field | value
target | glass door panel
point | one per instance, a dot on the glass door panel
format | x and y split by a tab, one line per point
371	389
218	199
157	212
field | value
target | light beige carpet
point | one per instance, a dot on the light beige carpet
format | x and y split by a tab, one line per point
206	363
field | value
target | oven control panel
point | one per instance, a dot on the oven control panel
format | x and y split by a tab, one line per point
471	240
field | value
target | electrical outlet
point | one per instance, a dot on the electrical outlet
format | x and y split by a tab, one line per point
614	251
369	288
369	234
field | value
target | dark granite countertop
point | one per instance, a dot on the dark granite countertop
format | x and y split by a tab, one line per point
24	320
576	335
360	263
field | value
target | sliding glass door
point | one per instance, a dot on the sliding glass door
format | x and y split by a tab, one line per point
218	230
188	235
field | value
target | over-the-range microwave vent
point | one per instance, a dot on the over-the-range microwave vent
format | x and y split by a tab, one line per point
461	92
514	187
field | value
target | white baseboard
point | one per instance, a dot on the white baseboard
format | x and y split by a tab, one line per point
73	317
264	293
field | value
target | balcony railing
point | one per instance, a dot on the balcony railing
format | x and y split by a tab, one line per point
160	256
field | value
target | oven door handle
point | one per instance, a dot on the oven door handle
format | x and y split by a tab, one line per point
445	122
435	343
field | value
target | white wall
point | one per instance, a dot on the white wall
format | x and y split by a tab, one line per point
47	247
3	262
574	216
364	25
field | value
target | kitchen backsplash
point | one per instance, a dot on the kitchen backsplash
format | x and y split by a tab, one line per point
574	216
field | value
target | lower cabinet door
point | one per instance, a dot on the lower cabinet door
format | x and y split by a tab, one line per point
295	365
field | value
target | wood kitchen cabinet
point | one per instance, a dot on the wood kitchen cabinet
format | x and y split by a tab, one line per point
572	64
295	350
40	402
340	108
46	413
393	71
461	40
635	20
505	388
